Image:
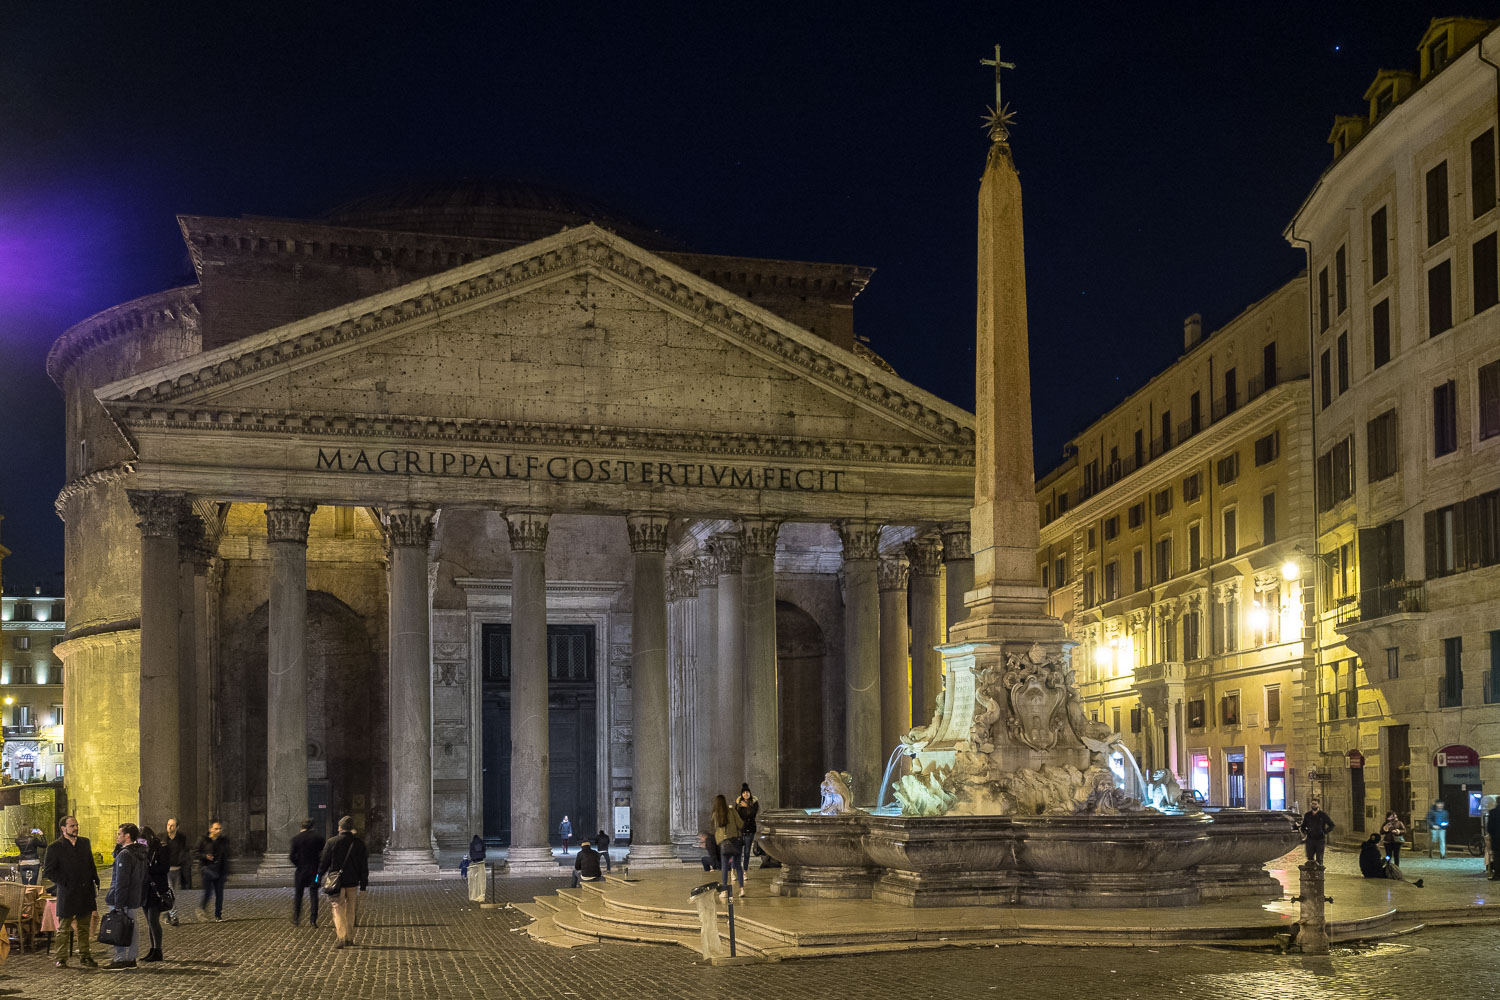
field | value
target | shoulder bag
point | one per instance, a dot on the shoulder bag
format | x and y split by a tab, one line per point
116	928
333	879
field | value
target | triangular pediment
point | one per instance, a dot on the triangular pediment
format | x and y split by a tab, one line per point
583	330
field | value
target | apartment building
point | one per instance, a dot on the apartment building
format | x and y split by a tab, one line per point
1176	538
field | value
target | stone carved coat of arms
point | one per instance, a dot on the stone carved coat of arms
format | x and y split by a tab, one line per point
1037	686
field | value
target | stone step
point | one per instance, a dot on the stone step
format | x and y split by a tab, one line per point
537	909
546	931
589	915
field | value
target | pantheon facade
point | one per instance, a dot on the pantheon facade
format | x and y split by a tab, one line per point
466	508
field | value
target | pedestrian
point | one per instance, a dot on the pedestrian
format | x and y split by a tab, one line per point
32	846
1316	826
1393	835
1437	829
1372	858
213	863
1492	836
158	895
748	806
727	831
586	867
710	847
345	857
307	851
179	864
565	829
127	890
70	867
601	844
475	856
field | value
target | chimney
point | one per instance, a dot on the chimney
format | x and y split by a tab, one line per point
1192	331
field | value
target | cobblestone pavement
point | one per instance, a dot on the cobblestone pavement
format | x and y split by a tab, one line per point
427	941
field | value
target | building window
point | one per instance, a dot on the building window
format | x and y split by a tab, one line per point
1111	581
1380	329
1197	716
1325	378
23	612
21	642
1140	448
1137	573
1135	719
1231	630
1392	662
1267	448
1231	392
1335	475
1195	413
1343	346
1231	539
1136	516
1489	400
1060	571
1115	720
1163	559
1340	282
1164	502
1440	298
1437	204
1463	535
1165	444
1268	363
1486	274
1111	528
1273	704
1192	486
1190	629
1088	589
1323	309
21	674
1482	173
57	717
1195	553
1451	693
1229	469
1046	581
1268	518
1380	444
1444	418
1379	253
1229	709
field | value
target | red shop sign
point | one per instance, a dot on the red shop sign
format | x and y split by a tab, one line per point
1456	755
1356	760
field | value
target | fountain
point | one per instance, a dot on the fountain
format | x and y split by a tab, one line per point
1011	798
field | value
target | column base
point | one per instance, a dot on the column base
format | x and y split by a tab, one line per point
533	861
409	864
276	869
653	856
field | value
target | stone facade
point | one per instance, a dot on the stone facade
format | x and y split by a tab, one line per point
1402	277
580	426
31	687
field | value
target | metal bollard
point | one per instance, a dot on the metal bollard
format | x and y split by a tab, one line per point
1312	927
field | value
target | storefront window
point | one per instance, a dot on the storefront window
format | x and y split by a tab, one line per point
1275	779
1200	774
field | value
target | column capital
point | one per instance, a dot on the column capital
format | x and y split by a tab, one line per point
286	520
728	553
861	539
408	525
158	512
956	542
759	535
527	527
705	568
648	531
192	542
682	581
893	572
925	554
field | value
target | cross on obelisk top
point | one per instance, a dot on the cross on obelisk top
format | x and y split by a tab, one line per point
999	116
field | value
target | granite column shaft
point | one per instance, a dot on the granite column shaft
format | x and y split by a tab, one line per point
862	719
160	777
729	734
927	631
286	676
895	663
408	534
530	759
650	821
762	697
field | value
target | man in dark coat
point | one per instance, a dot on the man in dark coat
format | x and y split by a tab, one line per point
127	890
70	864
307	848
1316	826
213	862
179	865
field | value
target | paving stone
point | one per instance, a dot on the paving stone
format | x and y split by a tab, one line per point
428	941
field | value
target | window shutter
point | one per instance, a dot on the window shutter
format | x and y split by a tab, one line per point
1434	544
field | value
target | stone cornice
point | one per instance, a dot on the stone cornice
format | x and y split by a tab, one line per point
587	249
99	477
385	427
142	315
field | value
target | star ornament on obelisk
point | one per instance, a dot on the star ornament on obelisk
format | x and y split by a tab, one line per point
997	119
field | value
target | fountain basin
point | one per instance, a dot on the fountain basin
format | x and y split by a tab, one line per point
1133	859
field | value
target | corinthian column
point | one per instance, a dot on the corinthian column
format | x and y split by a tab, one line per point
650	814
408	532
192	753
927	631
530	803
729	736
895	672
286	678
862	657
707	726
958	563
160	778
762	742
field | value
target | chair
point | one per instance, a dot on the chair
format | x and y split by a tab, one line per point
13	898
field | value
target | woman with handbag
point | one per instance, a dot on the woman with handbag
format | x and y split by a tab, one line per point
1393	835
343	872
127	891
159	896
728	830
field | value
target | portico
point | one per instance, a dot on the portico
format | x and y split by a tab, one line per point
574	435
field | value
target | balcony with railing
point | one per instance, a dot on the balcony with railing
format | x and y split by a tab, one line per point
1451	691
27	732
1399	597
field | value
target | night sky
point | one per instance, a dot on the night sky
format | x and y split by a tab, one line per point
1162	150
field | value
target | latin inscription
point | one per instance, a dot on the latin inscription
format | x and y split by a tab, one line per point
564	468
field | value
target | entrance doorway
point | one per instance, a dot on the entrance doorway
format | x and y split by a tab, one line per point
1234	785
1275	779
1357	799
573	786
800	663
1398	773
